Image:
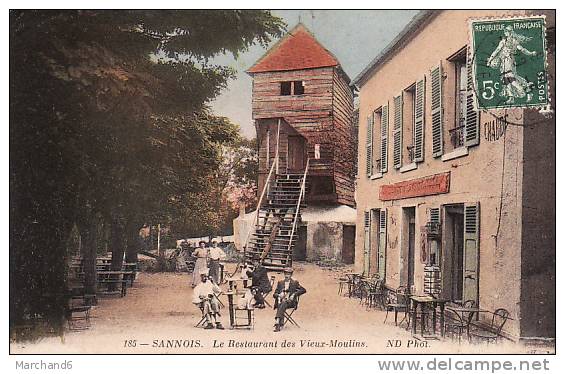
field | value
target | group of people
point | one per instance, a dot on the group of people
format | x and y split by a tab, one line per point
286	294
208	259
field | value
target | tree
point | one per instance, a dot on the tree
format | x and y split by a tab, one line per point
109	124
210	212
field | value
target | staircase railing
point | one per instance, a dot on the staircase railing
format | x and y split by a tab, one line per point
275	168
302	192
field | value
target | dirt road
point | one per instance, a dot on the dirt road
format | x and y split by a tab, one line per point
157	317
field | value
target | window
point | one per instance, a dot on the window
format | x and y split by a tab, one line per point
456	134
462	121
397	122
408	124
292	88
285	88
298	87
377	141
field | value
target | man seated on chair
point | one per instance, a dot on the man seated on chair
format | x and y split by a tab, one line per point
286	296
204	297
259	280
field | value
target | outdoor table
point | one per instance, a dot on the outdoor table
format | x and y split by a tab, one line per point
106	277
230	295
232	282
352	278
423	302
462	311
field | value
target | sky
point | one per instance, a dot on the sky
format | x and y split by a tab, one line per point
355	37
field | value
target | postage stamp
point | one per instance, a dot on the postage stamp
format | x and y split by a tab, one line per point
509	62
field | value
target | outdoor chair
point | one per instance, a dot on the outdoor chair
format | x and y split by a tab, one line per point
203	317
367	287
243	314
201	307
457	323
78	314
343	282
289	312
364	288
401	304
493	330
354	285
376	295
272	281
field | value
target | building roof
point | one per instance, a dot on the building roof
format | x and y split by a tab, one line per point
395	45
297	50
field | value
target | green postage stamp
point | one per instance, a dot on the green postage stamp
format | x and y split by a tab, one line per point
509	62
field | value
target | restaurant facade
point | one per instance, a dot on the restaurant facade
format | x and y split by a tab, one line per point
451	200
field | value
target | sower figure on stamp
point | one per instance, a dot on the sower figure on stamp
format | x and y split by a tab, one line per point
204	297
260	281
504	59
286	296
215	255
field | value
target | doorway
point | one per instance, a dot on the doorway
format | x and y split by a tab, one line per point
296	154
410	244
348	249
453	252
300	246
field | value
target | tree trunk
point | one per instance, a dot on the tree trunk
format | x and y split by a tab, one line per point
132	232
117	240
89	245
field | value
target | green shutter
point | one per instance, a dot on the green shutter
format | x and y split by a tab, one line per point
369	161
472	128
437	112
419	104
382	244
367	249
471	253
434	215
397	132
384	139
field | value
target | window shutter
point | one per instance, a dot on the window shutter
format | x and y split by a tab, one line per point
472	128
419	121
369	164
437	112
384	139
382	244
434	215
471	253
367	248
397	132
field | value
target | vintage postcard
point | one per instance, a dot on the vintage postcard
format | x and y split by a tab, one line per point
282	182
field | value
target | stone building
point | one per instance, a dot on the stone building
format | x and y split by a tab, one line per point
447	191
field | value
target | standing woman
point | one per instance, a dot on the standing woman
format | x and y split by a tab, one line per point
201	254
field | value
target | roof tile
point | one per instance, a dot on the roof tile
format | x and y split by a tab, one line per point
296	51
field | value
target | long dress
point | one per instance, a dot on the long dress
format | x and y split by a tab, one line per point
201	255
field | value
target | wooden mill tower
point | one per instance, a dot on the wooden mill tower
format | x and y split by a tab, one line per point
302	105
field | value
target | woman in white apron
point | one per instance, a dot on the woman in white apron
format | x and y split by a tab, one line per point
201	254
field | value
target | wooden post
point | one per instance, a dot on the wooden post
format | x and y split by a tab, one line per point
158	239
277	150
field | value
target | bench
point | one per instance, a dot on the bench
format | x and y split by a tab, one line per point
109	278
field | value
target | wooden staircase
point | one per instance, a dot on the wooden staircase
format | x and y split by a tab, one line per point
276	229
